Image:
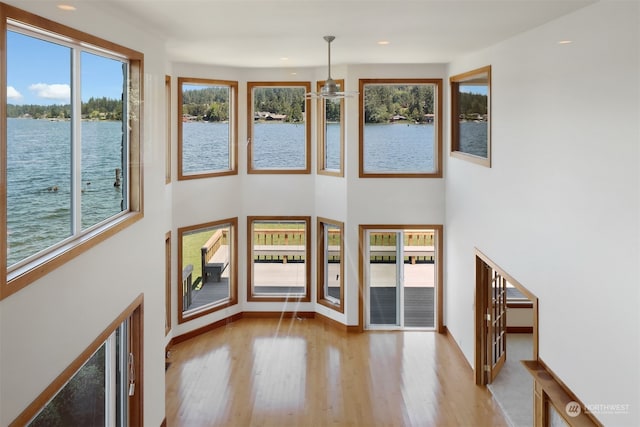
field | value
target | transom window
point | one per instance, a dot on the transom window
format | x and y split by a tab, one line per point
400	128
207	128
207	256
278	251
279	133
71	143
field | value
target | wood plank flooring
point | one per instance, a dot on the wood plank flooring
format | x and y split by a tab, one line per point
302	372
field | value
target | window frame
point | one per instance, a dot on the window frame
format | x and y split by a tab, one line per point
233	127
455	82
437	146
185	316
322	137
250	131
135	404
21	276
251	296
323	261
167	283
167	160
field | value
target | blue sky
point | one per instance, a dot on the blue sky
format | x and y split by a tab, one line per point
39	72
480	90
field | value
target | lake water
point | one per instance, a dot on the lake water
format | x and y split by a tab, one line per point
39	197
399	147
389	147
39	158
473	138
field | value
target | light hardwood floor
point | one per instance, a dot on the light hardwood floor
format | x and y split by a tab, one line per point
302	372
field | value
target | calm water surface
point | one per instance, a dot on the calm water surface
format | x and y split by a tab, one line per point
39	196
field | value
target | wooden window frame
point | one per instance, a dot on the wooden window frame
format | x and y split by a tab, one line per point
184	316
24	275
322	138
251	296
322	260
250	132
167	161
134	312
233	128
437	148
167	282
455	82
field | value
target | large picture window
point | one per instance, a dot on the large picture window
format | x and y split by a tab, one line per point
279	132
71	140
400	128
207	128
330	134
207	255
278	253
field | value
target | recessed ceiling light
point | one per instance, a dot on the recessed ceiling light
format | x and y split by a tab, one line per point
565	42
284	58
383	42
294	73
66	7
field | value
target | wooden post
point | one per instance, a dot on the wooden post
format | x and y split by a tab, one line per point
117	183
286	242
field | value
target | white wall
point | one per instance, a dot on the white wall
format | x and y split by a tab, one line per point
45	326
559	208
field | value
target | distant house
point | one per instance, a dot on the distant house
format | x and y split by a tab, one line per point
428	118
265	115
398	117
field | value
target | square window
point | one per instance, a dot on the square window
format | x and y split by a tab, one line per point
400	128
279	268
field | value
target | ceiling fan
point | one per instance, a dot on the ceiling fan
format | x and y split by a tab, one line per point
330	88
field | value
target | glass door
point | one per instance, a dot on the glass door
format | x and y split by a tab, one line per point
384	279
399	279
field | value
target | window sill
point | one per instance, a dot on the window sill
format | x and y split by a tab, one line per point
32	271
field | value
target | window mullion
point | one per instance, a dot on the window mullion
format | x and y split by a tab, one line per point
76	142
110	381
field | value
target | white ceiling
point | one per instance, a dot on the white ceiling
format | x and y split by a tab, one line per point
258	33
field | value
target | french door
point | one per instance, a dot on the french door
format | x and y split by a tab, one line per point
491	307
399	279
